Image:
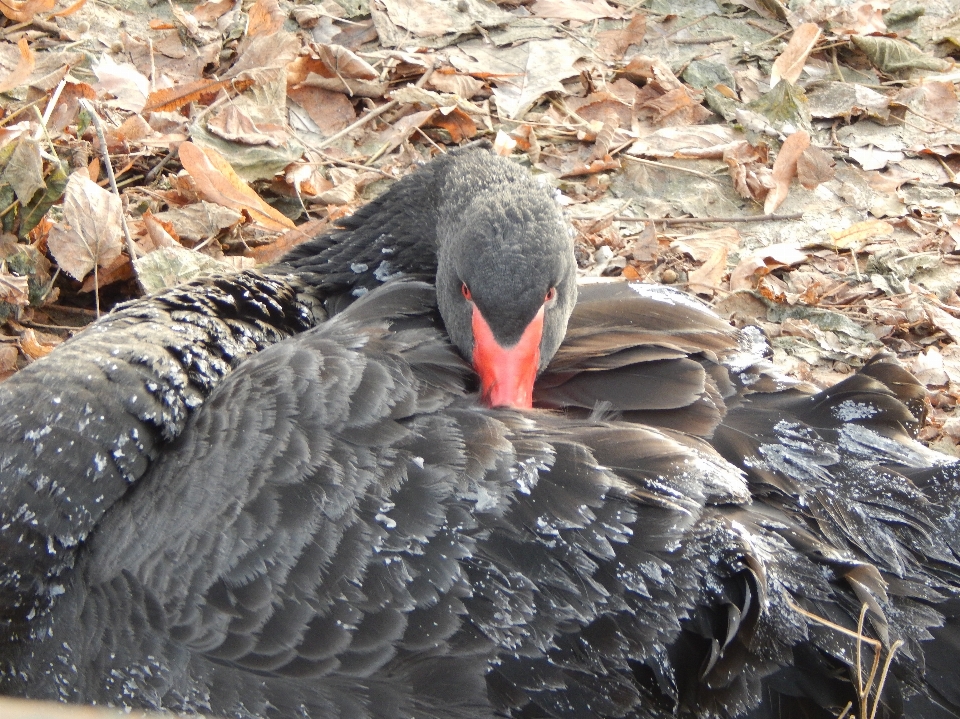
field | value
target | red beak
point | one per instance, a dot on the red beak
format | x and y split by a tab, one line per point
506	373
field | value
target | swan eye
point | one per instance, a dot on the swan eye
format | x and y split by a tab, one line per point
466	292
551	295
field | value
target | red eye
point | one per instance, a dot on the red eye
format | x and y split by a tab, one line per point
466	292
551	294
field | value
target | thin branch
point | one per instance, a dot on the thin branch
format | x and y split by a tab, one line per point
652	163
108	167
688	220
386	107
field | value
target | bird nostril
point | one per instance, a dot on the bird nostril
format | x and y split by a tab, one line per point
466	292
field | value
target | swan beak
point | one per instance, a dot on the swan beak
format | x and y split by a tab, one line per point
506	373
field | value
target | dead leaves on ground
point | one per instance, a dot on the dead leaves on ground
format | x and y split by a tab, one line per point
227	125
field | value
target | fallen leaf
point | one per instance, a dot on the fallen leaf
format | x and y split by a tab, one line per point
526	72
763	261
579	10
462	85
24	170
14	289
847	100
814	167
170	266
93	235
676	107
122	80
711	249
265	18
233	124
173	98
8	360
269	254
688	142
928	367
117	271
785	169
25	11
892	54
433	18
24	68
331	111
791	61
34	345
217	182
857	235
503	144
748	169
613	44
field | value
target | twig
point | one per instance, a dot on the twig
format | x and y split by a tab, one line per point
952	128
702	40
685	220
356	166
152	174
652	163
6	121
108	167
372	114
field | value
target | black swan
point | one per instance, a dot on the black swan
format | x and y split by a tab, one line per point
301	494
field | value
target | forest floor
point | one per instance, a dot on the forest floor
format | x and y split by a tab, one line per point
793	165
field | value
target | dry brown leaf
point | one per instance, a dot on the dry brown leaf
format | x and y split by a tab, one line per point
692	142
93	235
66	110
288	240
748	169
579	10
791	61
36	345
25	11
652	69
24	68
763	261
613	44
265	18
14	289
218	183
8	360
70	10
456	84
785	169
124	81
133	129
161	233
937	99
503	144
456	122
858	234
173	98
331	111
710	248
119	270
212	10
859	18
574	167
814	167
236	126
676	107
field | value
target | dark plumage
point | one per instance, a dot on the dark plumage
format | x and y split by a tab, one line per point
336	528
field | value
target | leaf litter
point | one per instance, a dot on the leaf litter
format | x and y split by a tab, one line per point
796	168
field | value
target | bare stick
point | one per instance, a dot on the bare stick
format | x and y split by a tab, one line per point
372	114
664	165
688	220
131	248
